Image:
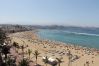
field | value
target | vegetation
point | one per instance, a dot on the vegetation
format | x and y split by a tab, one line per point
8	60
46	60
4	48
24	62
29	52
69	58
2	37
59	60
15	44
11	61
36	54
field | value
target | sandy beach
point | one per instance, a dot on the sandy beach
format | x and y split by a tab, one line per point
81	56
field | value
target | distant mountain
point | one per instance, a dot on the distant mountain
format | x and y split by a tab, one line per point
93	30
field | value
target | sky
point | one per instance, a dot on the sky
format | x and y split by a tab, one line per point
50	12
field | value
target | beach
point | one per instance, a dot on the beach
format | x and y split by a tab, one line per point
81	56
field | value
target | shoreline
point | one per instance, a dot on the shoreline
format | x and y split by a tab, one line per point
69	44
71	38
54	41
55	48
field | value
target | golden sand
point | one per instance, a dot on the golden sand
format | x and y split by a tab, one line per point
56	49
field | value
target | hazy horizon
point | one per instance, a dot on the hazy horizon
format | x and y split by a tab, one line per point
50	12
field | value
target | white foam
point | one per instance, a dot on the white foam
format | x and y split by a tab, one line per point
81	33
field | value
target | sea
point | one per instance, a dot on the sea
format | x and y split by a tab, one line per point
82	38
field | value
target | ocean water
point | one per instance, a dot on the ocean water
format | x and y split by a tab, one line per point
82	38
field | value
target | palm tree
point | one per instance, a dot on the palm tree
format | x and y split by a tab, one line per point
45	60
5	50
1	60
24	62
59	60
69	58
36	54
2	37
11	61
15	44
29	52
22	47
2	40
